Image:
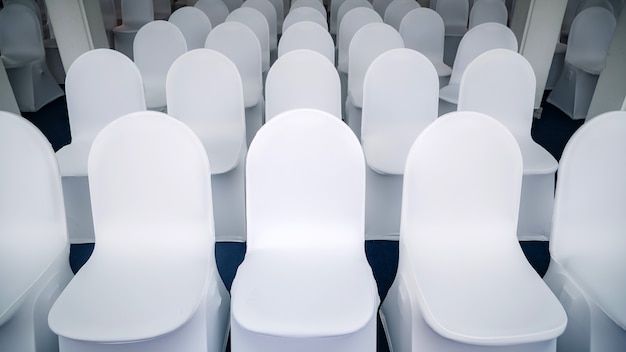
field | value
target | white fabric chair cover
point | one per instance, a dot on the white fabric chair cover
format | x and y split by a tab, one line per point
34	248
307	35
332	14
280	14
162	9
396	11
587	246
215	10
484	11
459	212
302	79
269	11
501	83
241	46
135	13
455	15
204	90
305	283
476	41
305	13
156	46
355	19
101	86
150	186
422	30
346	7
370	41
589	40
315	4
23	55
194	24
400	95
255	20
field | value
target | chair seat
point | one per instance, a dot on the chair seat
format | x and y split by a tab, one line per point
125	28
73	158
94	307
20	59
306	298
602	277
381	149
450	93
537	160
587	63
455	297
442	69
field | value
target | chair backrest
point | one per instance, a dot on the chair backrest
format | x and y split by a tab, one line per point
590	197
305	183
354	20
595	3
215	10
269	11
348	5
150	184
455	15
101	85
32	213
370	41
204	90
156	46
136	13
588	223
241	46
233	4
302	79
280	13
400	98
304	13
501	83
307	35
476	41
463	172
590	37
396	11
194	24
423	30
314	4
255	20
21	40
380	6
484	11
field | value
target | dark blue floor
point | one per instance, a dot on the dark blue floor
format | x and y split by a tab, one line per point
552	131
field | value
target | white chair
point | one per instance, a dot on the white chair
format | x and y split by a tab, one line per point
463	282
305	283
370	41
194	24
162	9
150	186
269	11
307	35
346	7
23	55
501	83
587	246
156	46
396	11
34	249
302	79
380	6
422	30
476	41
484	11
101	85
215	10
304	13
589	40
241	46
280	14
355	19
233	4
255	20
400	95
332	14
135	13
314	4
205	91
455	15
